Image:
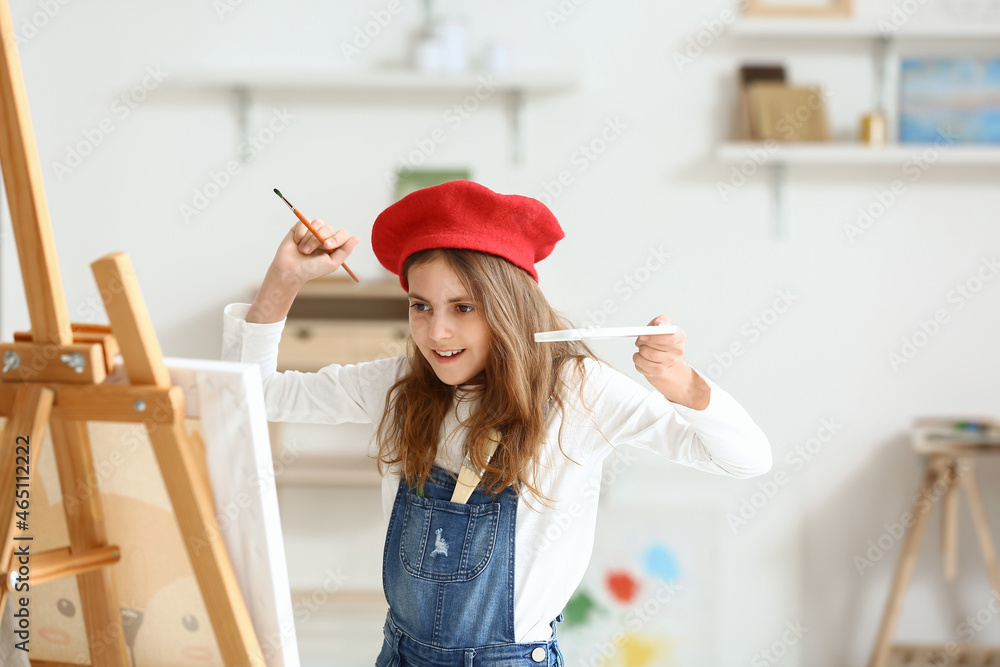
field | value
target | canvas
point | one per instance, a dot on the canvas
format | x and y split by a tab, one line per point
164	617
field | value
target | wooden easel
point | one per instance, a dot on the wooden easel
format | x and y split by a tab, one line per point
949	465
53	374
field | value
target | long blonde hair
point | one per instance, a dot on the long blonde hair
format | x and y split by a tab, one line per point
521	382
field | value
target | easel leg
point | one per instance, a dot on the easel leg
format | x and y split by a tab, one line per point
195	513
185	480
31	413
904	567
85	524
198	451
949	522
982	530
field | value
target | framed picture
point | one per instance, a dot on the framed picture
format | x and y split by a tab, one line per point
799	8
408	181
954	97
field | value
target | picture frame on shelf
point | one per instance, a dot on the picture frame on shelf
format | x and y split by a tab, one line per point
957	98
800	8
411	180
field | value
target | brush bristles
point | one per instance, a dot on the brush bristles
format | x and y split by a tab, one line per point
278	192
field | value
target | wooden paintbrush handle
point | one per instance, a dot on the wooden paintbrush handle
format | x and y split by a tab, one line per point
468	479
312	229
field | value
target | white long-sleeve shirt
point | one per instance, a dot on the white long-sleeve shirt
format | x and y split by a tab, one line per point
552	546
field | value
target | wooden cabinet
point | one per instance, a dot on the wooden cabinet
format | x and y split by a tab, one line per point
309	345
338	321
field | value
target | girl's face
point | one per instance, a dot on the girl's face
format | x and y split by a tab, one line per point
445	319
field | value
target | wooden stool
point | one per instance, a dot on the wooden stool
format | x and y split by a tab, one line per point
950	461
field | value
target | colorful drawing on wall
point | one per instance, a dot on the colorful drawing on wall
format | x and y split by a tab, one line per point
953	100
647	598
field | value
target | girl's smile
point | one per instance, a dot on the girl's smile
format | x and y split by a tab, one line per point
446	323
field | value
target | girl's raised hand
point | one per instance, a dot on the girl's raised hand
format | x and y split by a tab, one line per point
661	360
659	355
301	257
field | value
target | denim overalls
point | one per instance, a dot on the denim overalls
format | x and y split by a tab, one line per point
448	575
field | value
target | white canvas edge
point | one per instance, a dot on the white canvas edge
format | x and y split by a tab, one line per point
278	629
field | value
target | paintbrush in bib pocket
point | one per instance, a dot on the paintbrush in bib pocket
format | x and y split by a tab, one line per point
470	475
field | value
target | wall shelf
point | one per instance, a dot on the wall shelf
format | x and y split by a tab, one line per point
845	154
886	45
350	597
357	472
857	154
379	80
515	85
777	28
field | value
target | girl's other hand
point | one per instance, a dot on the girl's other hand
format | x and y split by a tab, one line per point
661	360
659	355
301	257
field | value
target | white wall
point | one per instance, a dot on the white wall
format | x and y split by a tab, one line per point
654	187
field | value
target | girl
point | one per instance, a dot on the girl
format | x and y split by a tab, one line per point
483	582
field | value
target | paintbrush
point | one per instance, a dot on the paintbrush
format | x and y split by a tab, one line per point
312	229
469	476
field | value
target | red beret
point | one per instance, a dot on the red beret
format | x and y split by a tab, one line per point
467	215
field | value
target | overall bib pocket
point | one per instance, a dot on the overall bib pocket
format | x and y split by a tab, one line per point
443	541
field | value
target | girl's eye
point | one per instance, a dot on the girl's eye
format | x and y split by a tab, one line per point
470	308
418	307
